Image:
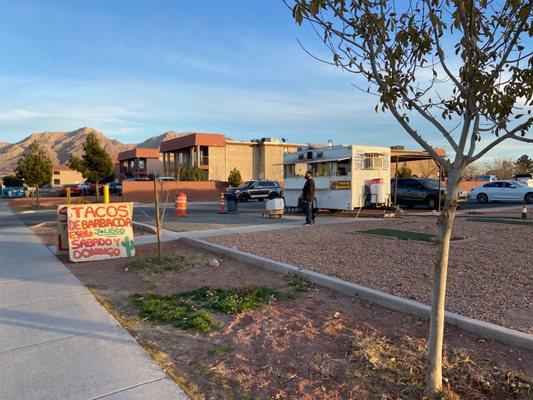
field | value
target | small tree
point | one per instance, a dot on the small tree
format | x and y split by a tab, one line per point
524	165
503	168
234	178
405	171
35	167
463	67
95	164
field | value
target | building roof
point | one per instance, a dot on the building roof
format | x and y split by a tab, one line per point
400	155
62	167
138	152
194	139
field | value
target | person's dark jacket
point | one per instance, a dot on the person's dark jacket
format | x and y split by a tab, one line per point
309	190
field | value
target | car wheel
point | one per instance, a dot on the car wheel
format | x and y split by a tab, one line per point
482	198
432	202
243	198
529	198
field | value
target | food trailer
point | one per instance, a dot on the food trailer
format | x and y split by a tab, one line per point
346	177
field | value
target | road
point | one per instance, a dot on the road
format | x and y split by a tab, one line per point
205	215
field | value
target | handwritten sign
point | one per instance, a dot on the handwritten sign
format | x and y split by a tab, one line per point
100	231
62	227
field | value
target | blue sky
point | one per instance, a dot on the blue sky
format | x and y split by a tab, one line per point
135	69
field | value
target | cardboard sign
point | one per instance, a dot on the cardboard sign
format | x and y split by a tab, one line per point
62	225
341	185
100	231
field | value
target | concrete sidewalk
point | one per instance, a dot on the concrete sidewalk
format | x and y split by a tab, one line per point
56	340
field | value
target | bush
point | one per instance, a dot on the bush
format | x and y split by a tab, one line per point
234	178
12	181
192	174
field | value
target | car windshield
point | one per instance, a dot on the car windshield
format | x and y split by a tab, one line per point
518	183
431	183
246	184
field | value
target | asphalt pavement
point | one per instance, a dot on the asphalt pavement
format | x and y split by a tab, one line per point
204	215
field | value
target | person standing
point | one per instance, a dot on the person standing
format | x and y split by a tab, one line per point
308	196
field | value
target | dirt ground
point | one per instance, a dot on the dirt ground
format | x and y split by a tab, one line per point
320	345
490	274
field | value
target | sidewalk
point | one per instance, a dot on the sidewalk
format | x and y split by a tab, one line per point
56	340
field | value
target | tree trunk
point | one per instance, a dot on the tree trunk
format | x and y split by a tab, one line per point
38	199
97	193
436	329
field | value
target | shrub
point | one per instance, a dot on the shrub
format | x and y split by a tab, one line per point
12	181
234	178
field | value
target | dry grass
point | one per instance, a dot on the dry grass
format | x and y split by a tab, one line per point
402	364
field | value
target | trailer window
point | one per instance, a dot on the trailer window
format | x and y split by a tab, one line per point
321	169
295	170
374	161
342	168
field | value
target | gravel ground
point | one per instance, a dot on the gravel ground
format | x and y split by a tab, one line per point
489	276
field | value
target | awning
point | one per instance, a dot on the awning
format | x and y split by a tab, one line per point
313	160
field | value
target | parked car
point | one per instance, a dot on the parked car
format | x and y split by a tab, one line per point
92	188
84	188
74	190
422	191
165	179
490	178
256	189
115	188
503	191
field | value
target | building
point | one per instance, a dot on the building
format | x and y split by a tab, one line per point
63	175
139	163
216	156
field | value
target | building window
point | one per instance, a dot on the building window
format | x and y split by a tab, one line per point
56	172
374	161
57	182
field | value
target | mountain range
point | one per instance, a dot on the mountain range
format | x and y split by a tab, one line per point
61	145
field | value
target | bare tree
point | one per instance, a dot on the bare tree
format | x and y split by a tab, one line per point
462	66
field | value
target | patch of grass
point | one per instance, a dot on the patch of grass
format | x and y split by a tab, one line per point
235	300
220	350
502	221
147	267
298	282
404	235
171	309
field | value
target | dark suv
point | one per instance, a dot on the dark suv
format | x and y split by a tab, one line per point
259	190
421	191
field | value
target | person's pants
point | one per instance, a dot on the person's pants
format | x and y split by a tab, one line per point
308	208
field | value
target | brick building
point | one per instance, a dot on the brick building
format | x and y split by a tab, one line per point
217	155
139	163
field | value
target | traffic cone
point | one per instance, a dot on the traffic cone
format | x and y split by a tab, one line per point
222	209
524	212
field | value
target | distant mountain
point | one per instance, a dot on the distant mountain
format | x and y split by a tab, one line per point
58	145
155	141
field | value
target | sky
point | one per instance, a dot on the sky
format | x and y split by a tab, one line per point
135	69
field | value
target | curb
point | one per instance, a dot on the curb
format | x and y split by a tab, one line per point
481	328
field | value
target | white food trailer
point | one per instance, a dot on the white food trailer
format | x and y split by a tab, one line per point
346	176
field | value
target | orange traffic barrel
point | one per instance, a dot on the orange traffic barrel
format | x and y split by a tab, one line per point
180	205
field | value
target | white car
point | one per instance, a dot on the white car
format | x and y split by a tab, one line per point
502	191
